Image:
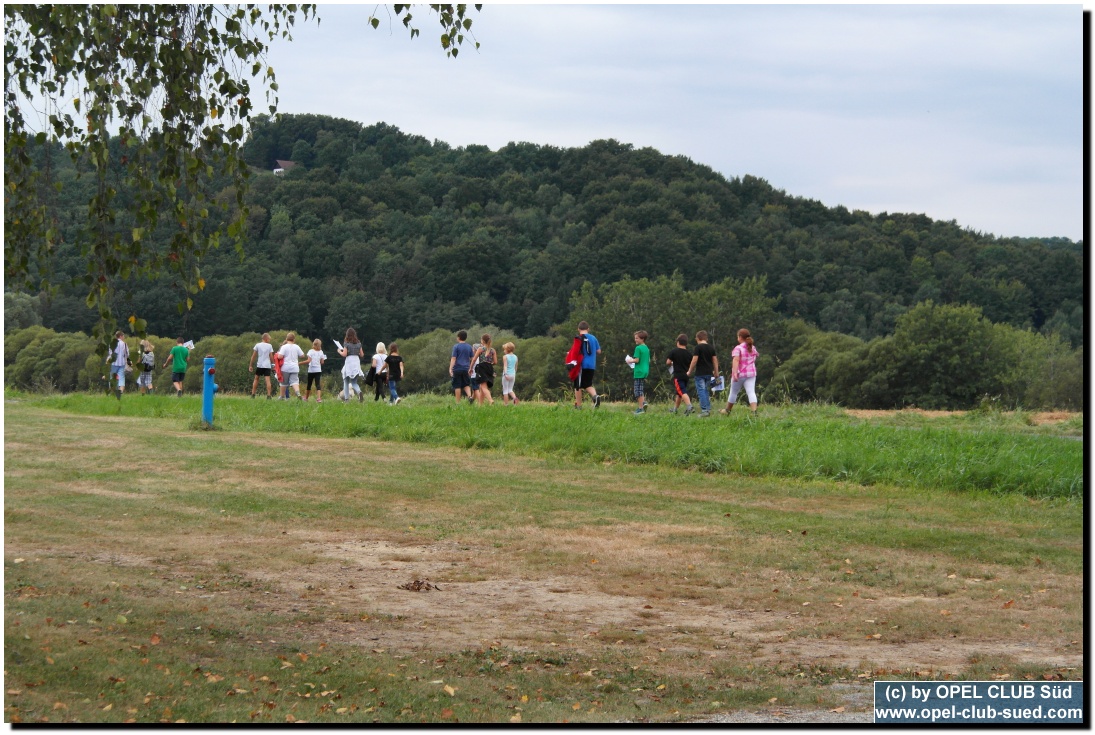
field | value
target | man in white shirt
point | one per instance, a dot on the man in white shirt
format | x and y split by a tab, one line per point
290	367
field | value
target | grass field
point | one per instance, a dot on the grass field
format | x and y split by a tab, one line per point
591	566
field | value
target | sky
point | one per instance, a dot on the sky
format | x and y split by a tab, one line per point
971	113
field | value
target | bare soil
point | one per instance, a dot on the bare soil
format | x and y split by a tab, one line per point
1039	418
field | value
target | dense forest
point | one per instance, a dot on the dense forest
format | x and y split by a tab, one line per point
399	236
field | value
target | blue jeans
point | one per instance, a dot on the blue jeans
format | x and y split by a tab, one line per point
703	390
392	385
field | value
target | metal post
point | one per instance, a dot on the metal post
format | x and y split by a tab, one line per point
208	389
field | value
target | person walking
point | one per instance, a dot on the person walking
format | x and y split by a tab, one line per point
460	366
743	373
118	360
316	358
395	373
148	361
290	367
351	369
589	348
177	358
679	361
380	371
483	360
262	350
640	363
705	366
509	373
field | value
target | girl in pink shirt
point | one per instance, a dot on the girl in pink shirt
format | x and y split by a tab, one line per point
744	372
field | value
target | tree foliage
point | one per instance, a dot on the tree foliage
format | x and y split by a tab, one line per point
152	102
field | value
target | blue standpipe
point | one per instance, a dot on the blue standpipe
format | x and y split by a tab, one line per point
209	388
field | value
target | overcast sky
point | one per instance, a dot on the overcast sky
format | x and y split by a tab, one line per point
972	113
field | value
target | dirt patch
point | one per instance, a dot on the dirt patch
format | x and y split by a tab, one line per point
1038	418
363	579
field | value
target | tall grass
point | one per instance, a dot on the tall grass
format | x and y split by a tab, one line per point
805	442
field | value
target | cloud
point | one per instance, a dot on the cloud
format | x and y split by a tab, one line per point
934	109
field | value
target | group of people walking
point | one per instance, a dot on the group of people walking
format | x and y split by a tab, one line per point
385	371
472	369
702	364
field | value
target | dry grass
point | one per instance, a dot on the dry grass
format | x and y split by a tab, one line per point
290	538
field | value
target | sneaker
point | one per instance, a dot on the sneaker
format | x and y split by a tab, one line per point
689	410
597	401
397	400
579	408
515	401
704	414
252	395
639	410
724	412
319	400
178	394
268	396
118	393
672	410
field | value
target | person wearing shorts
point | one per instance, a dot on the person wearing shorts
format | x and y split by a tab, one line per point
262	368
316	358
679	360
290	368
640	362
591	348
148	361
460	366
120	357
178	357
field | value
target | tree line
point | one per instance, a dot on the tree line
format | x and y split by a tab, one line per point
940	356
403	235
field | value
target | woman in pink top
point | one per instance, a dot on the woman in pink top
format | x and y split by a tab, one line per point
744	372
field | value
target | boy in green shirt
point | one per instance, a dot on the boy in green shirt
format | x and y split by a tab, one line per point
177	357
640	361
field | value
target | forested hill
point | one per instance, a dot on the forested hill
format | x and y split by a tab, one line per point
376	227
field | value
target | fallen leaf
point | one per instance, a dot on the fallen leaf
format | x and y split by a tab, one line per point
576	706
773	700
944	612
302	656
515	718
155	640
446	713
837	710
450	690
1008	604
108	708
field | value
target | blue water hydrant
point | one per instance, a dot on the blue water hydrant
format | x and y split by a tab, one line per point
209	388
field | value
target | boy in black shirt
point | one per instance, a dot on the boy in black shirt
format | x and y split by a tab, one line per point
679	362
705	365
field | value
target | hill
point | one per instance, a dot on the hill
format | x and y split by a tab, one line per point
380	228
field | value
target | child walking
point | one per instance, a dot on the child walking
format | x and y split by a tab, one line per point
395	373
482	360
509	374
316	358
380	366
351	369
118	360
290	367
148	361
743	373
679	361
641	362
